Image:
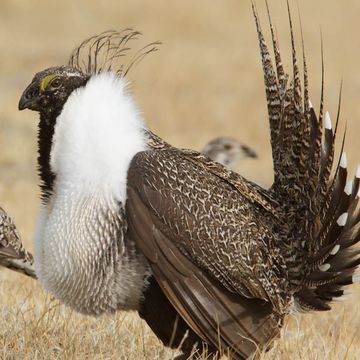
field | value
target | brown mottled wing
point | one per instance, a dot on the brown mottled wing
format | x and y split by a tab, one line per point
13	255
8	252
168	222
163	319
251	191
10	243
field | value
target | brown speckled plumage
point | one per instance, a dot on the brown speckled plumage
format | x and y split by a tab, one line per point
190	179
13	255
290	246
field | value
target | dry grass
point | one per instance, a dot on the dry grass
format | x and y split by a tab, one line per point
205	81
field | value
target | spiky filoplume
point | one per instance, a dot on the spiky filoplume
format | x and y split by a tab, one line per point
105	52
232	258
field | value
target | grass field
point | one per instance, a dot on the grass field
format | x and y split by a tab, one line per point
206	81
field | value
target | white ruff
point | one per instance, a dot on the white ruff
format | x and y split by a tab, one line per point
79	249
96	135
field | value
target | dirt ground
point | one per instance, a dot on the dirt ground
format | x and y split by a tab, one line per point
205	81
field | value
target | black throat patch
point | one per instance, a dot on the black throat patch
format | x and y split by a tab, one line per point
45	136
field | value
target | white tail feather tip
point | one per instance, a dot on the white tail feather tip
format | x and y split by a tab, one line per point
348	187
335	250
343	160
341	221
328	121
324	267
358	172
339	299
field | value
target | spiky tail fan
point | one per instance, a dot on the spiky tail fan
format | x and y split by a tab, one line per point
321	209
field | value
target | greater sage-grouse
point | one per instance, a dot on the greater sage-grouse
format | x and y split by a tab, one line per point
13	254
120	205
227	151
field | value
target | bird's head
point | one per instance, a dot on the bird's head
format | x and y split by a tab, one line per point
50	88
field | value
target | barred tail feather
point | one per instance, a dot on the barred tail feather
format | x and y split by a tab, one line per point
272	96
334	254
321	209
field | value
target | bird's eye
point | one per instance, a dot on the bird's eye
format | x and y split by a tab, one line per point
55	83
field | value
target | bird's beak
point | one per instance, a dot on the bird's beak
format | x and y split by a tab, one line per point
249	152
30	98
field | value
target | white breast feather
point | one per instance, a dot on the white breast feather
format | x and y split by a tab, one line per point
96	136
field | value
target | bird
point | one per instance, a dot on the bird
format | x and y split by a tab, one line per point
13	254
235	259
122	209
228	151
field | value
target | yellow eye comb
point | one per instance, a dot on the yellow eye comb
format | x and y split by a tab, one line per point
46	80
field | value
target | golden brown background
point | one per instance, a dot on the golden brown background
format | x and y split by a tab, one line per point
205	81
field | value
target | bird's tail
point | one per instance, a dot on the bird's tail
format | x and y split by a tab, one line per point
321	207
